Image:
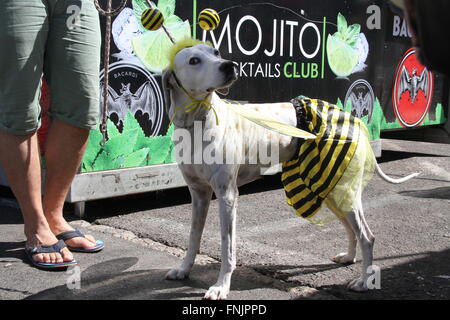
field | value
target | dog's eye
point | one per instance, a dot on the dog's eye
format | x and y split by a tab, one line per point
216	52
194	61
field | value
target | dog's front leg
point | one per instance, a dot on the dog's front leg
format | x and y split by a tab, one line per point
201	197
227	196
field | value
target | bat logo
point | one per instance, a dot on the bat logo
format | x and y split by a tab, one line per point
132	89
413	83
120	103
362	99
361	105
414	78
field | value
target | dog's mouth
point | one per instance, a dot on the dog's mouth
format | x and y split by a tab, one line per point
224	89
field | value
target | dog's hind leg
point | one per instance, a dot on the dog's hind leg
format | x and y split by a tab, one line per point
347	257
200	205
227	196
366	240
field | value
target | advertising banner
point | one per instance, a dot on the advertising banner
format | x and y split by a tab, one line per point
355	54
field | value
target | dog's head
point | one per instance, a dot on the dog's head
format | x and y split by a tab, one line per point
200	70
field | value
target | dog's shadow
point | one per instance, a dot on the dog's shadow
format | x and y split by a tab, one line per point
285	272
442	193
110	280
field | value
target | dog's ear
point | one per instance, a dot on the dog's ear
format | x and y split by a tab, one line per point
167	86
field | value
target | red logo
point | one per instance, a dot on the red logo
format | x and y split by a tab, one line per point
413	91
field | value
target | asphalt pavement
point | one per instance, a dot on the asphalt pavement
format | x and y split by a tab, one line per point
279	255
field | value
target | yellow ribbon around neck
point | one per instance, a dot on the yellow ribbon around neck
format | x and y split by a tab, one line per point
194	105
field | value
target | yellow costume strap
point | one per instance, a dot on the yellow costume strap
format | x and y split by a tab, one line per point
247	113
269	123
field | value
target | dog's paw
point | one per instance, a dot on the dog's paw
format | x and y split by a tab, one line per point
216	293
177	274
344	258
358	285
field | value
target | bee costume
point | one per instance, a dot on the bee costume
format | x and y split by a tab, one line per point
332	168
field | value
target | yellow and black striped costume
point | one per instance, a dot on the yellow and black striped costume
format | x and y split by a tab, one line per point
331	167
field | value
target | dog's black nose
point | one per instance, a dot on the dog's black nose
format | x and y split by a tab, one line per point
227	66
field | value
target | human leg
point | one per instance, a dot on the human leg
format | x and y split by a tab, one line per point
24	27
72	71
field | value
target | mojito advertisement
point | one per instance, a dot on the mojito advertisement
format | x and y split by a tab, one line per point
357	56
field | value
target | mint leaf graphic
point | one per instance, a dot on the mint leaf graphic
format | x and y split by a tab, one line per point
342	26
348	34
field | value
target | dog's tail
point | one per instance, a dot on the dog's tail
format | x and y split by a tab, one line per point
392	180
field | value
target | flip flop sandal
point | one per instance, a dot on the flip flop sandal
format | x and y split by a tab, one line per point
76	233
55	248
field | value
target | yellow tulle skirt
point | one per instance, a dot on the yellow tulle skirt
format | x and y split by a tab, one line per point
348	190
332	169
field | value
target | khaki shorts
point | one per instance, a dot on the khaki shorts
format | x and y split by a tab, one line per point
59	39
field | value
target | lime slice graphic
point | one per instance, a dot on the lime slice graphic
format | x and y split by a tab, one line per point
342	58
151	48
